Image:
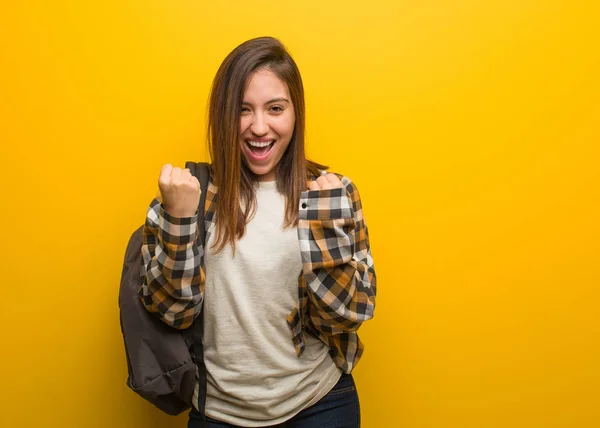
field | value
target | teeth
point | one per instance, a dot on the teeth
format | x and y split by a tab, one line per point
259	144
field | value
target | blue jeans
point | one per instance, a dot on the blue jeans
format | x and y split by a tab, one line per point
338	409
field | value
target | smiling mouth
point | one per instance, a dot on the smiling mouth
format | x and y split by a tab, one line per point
260	148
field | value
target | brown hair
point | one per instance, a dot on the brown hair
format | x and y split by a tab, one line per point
236	182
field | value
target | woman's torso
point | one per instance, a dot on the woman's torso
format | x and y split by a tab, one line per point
254	374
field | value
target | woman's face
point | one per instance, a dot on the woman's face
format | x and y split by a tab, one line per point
266	124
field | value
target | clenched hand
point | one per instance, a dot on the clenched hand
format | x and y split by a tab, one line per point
180	191
324	182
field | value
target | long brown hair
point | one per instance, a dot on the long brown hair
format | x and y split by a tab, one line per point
235	181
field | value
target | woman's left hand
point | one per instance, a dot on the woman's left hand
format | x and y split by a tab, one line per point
324	182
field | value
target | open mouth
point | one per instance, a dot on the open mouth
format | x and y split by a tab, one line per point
260	148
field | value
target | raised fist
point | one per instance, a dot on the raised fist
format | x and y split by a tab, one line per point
180	191
324	182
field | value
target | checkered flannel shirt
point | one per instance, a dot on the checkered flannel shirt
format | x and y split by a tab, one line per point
336	288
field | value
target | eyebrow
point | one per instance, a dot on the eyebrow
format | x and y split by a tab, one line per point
274	100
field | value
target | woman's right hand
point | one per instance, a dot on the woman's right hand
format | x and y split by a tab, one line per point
180	191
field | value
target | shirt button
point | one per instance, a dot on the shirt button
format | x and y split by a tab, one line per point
304	205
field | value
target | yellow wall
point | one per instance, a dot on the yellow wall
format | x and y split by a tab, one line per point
471	128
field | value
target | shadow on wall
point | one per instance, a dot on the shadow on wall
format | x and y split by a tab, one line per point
160	420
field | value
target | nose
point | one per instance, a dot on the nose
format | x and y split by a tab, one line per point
259	125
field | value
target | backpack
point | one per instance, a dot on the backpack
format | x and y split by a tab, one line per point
160	358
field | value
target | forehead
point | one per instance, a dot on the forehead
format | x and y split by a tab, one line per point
265	84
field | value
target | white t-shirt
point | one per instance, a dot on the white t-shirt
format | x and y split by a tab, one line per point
254	377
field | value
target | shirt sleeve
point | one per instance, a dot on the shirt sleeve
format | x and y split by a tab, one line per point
173	279
337	263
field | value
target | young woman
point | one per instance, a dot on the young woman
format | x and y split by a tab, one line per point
284	277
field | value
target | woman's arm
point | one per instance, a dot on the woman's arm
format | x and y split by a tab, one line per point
338	267
173	279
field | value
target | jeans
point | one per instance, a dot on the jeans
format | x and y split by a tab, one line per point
338	409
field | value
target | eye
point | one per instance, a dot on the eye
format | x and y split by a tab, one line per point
276	109
245	110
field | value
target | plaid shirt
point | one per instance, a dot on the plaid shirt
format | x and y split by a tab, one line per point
336	288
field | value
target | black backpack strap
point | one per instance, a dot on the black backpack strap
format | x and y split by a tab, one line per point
200	171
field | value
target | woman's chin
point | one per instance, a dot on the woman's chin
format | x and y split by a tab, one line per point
264	174
261	173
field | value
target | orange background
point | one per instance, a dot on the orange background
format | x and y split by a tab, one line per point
471	129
